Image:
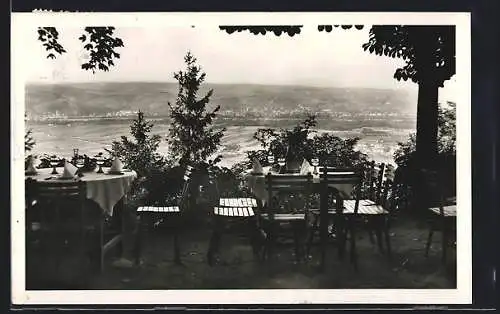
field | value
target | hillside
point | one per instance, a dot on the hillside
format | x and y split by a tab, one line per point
83	99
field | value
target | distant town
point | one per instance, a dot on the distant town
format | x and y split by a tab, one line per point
267	113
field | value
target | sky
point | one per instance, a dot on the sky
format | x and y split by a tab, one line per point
311	58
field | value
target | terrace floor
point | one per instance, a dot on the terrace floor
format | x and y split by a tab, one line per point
237	269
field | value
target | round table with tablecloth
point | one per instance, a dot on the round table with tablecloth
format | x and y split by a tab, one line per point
103	188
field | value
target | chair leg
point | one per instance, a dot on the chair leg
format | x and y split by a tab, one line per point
310	238
342	236
177	254
353	253
101	246
295	229
257	239
429	241
371	235
270	243
214	243
444	250
139	237
377	222
387	226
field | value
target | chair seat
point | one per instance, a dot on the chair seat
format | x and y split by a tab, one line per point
365	207
234	211
286	217
238	202
448	211
158	209
316	211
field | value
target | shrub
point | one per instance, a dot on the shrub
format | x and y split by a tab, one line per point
407	175
302	142
139	154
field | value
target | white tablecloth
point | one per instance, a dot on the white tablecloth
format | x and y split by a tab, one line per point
103	188
257	184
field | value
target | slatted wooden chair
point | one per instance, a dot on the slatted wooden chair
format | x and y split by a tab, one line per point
443	213
282	187
331	178
375	206
168	212
65	224
371	191
228	211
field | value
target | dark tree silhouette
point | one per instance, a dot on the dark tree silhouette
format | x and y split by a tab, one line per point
429	53
291	30
99	42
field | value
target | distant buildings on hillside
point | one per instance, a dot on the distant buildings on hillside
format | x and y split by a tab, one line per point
245	112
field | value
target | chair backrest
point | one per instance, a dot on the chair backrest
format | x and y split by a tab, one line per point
332	177
61	200
185	187
434	182
374	175
388	194
280	185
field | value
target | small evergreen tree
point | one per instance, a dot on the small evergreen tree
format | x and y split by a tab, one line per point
192	137
29	141
140	155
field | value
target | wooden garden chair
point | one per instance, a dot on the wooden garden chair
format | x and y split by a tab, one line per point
65	224
371	191
377	206
279	187
331	178
147	215
443	213
229	211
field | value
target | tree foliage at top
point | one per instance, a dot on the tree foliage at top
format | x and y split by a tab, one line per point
290	30
192	138
99	42
429	51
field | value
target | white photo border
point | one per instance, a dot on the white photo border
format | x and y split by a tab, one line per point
22	22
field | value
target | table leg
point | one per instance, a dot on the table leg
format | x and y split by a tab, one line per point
323	226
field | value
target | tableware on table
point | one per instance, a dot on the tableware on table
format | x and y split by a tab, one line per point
305	168
256	167
100	162
75	152
281	163
69	171
54	161
315	163
116	166
270	158
80	163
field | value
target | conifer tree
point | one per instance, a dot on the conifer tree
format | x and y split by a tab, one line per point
140	155
193	139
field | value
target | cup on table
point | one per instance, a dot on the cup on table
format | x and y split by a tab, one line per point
315	163
281	163
80	163
100	162
270	159
54	161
